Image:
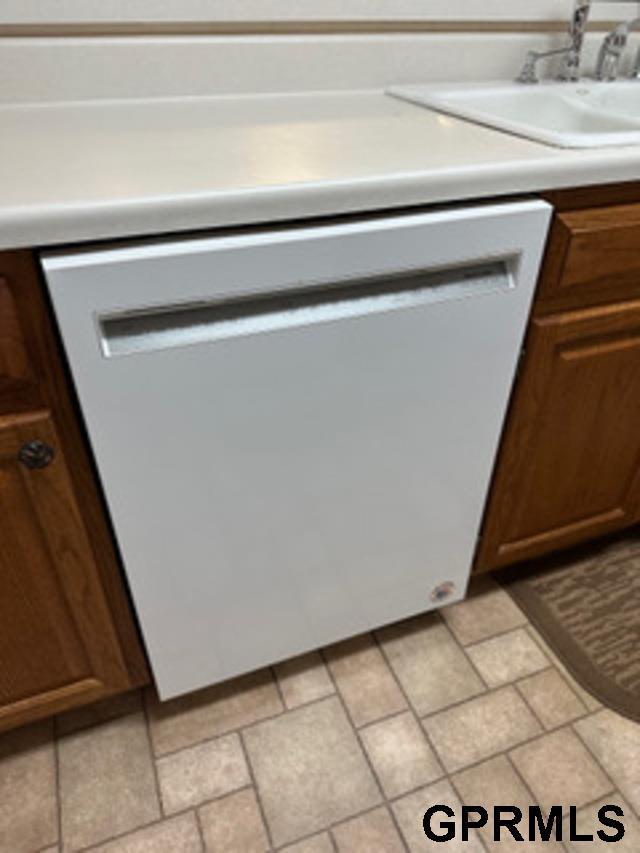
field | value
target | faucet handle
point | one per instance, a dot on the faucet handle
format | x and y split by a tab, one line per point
528	73
611	52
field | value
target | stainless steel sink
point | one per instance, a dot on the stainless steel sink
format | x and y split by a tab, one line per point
567	115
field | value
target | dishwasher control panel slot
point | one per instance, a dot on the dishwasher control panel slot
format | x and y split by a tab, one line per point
189	324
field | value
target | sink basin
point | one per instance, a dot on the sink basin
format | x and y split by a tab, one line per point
622	98
567	115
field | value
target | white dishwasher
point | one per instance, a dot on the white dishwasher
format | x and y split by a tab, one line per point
295	427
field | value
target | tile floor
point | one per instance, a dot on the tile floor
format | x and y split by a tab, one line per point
340	750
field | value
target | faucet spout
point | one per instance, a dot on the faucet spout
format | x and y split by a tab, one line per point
571	52
570	70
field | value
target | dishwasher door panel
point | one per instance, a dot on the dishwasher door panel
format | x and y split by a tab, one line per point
285	472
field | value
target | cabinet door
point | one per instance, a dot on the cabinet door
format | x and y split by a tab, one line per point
58	646
570	460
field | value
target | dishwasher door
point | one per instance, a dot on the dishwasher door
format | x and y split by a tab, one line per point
295	427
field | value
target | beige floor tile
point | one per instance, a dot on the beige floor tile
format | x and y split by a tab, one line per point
507	657
107	783
400	754
364	680
410	810
199	773
316	844
215	711
176	835
374	832
615	741
309	769
488	610
234	824
99	712
591	703
304	679
587	823
559	770
552	700
480	728
496	783
28	808
430	665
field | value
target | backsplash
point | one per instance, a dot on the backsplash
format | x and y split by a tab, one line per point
219	47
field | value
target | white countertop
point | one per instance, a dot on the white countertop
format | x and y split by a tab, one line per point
94	170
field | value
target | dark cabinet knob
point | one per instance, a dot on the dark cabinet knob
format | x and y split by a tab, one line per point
36	454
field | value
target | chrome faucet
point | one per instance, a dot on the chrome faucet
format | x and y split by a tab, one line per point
610	55
572	53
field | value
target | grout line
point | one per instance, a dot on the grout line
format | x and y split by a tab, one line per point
485	693
386	718
154	764
591	752
263	814
276	680
532	710
411	710
559	672
458	793
150	824
385	805
500	633
331	827
56	770
309	702
467	657
514	684
521	629
226	733
547	650
306	703
534	799
394	821
203	843
517	745
377	779
355	729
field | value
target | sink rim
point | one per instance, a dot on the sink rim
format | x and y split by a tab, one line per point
446	98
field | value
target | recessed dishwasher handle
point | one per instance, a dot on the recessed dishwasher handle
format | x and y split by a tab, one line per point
180	325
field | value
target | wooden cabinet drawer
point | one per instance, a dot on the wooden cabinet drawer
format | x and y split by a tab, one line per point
593	257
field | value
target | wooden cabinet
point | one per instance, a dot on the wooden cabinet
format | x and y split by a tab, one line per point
67	636
569	465
570	461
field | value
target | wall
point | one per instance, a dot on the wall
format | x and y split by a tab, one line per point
86	49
